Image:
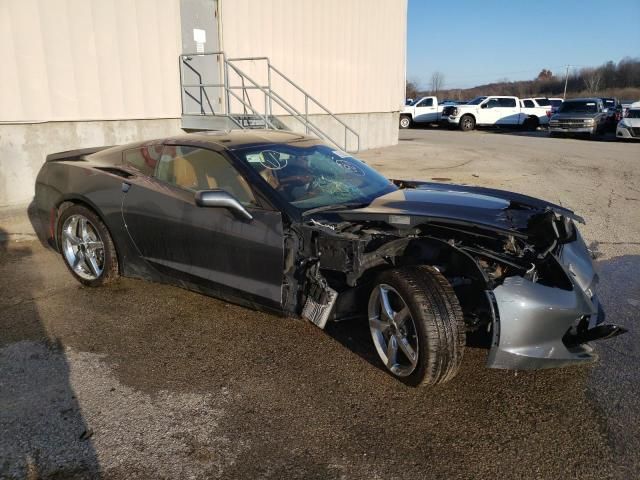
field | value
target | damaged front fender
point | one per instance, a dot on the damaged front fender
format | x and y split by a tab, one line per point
531	322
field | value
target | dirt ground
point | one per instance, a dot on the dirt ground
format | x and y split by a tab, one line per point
142	380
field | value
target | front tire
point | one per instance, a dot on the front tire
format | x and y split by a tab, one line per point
417	325
86	246
467	123
405	122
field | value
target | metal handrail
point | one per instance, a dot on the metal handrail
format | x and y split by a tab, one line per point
306	94
267	90
182	60
289	108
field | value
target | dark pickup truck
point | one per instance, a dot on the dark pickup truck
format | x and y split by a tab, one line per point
579	116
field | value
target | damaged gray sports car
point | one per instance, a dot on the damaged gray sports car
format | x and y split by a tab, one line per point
280	221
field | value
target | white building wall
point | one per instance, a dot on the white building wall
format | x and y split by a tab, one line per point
89	60
348	54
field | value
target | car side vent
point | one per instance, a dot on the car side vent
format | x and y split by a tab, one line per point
115	171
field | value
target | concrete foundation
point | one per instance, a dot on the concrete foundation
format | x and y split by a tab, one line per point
376	129
24	147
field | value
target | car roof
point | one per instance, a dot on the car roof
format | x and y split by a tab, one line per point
585	99
234	139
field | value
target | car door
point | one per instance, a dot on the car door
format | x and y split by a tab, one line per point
508	111
211	247
489	112
426	111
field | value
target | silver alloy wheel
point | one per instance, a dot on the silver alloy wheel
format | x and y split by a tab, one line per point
393	330
404	122
466	123
82	247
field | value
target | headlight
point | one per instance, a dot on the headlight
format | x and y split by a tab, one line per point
454	112
589	121
623	125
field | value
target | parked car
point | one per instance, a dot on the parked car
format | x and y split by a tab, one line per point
425	110
629	126
614	112
555	104
540	107
625	104
490	111
280	221
579	116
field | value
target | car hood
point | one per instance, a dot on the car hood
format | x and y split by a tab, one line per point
561	116
421	202
466	107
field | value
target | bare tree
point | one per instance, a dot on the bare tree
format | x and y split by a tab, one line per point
412	89
437	82
592	79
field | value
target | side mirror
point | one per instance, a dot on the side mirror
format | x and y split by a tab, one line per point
222	199
484	105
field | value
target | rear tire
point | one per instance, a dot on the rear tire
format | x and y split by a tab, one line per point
531	124
86	246
405	122
414	309
467	123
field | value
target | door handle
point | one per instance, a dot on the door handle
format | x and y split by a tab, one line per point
125	187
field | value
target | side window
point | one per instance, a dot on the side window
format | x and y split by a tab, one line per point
426	103
143	159
493	103
507	102
528	104
199	169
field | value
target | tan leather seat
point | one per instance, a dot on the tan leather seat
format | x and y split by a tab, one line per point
270	177
221	175
184	173
202	170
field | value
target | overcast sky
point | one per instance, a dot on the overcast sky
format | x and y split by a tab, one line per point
477	42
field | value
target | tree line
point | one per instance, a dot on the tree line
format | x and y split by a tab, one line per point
621	80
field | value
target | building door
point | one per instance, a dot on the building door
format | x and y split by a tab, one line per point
200	26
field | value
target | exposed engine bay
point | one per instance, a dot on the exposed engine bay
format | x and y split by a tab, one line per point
341	252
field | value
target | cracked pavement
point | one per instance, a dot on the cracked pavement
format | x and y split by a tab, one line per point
140	380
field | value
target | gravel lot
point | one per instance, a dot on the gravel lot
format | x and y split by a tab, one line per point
143	380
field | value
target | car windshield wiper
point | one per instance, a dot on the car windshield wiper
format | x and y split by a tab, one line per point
335	206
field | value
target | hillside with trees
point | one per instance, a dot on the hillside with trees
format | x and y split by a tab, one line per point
621	80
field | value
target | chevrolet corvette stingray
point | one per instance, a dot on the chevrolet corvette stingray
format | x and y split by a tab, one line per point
279	221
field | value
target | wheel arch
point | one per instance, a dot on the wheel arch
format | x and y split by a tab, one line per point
71	200
408	116
469	281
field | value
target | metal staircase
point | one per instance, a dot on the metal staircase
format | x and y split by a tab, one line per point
216	94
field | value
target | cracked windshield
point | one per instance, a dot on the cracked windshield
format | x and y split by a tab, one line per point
317	176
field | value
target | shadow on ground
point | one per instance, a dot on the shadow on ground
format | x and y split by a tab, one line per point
42	430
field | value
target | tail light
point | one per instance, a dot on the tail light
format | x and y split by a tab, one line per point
549	113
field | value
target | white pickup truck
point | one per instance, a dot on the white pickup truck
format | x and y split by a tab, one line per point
496	110
423	110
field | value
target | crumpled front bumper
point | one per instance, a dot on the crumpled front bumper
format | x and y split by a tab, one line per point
538	326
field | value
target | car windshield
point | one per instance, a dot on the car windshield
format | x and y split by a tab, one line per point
316	176
476	101
609	102
579	106
633	114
